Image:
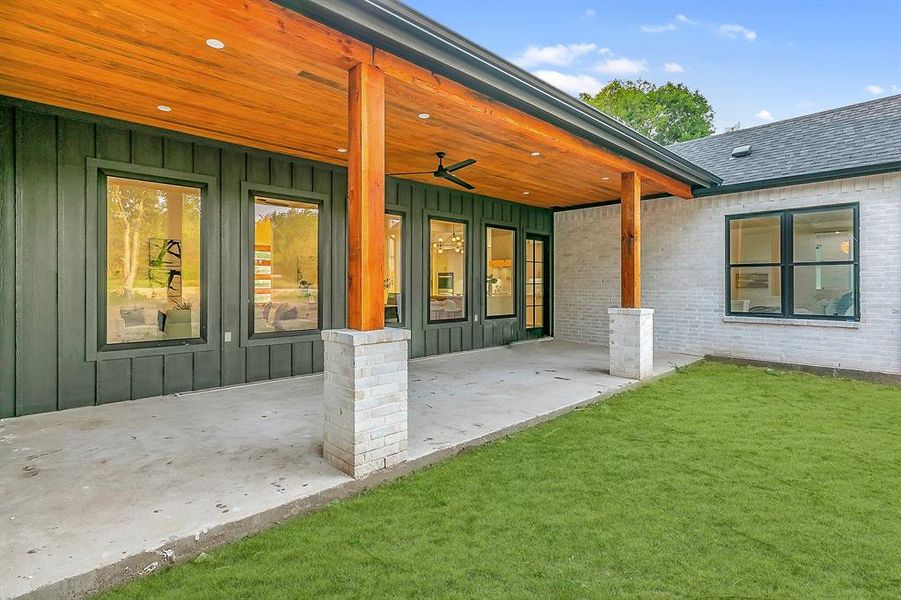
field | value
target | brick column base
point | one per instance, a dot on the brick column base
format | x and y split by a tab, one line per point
365	399
631	342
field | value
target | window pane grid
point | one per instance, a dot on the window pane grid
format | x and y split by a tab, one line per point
817	274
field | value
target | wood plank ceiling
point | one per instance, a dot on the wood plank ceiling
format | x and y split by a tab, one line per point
270	87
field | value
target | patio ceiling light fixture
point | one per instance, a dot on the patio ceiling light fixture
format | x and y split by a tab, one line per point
605	178
342	150
535	153
164	108
215	44
424	115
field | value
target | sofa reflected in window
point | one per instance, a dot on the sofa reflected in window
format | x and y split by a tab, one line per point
286	265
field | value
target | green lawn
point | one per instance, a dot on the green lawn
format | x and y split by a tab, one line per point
720	481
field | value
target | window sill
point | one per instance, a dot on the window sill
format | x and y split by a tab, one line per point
796	322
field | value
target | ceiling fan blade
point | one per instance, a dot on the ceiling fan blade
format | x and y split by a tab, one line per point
413	173
461	164
458	181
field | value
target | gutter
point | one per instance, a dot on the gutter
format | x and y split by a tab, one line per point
762	184
400	30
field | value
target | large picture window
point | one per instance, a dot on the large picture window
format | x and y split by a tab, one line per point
447	270
153	269
285	265
794	263
393	257
500	269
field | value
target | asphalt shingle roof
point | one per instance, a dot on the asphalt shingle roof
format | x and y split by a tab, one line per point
859	135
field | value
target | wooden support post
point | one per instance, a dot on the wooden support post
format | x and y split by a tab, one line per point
630	241
365	198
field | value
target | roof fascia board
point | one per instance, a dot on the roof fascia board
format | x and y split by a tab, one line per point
763	184
404	32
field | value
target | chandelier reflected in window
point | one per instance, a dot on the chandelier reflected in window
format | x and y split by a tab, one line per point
455	243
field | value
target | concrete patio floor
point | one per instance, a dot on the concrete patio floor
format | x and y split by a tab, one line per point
93	496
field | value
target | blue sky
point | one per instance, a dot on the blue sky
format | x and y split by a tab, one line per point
755	61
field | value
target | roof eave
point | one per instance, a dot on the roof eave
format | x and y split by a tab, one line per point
398	29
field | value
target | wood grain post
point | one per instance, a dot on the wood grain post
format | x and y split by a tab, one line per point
630	241
366	198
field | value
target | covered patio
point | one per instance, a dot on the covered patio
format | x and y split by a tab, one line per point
96	495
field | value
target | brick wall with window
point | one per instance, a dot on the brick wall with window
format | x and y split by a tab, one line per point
684	262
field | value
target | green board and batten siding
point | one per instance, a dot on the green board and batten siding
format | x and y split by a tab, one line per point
46	240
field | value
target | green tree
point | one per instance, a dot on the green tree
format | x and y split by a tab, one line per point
667	114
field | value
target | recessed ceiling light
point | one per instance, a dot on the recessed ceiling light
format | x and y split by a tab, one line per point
214	43
164	108
536	153
342	150
423	115
526	193
605	178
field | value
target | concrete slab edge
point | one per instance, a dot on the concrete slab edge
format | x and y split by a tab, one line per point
187	548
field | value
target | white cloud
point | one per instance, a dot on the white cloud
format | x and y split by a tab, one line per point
734	31
764	115
673	67
875	89
658	28
590	13
683	19
621	66
572	84
561	55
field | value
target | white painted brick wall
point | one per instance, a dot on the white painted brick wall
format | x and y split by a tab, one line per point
365	399
683	279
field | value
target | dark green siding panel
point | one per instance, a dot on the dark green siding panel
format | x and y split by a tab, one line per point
233	367
205	161
318	355
178	373
36	268
113	380
280	172
338	241
146	376
178	155
113	143
206	370
7	263
146	149
77	378
280	360
257	363
302	358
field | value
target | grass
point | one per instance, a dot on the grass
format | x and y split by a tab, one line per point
721	481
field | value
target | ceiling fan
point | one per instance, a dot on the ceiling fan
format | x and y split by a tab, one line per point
446	172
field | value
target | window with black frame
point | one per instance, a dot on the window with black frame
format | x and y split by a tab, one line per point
153	289
795	263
